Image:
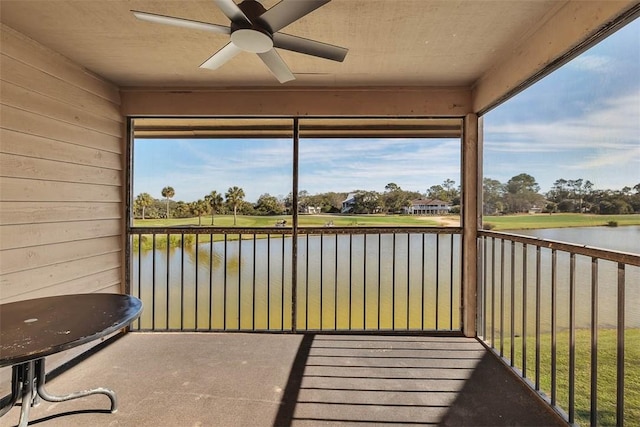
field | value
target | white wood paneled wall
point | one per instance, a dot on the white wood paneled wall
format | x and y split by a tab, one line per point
61	175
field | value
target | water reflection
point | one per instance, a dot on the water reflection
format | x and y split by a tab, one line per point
393	282
370	282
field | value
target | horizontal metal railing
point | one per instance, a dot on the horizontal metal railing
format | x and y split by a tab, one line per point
550	309
346	279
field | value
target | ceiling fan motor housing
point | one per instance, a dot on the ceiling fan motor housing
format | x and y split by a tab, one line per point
254	36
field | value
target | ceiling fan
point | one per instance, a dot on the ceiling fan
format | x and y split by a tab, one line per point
256	29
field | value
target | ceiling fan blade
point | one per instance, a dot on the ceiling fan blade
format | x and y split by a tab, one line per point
231	9
221	56
180	22
277	66
309	47
288	11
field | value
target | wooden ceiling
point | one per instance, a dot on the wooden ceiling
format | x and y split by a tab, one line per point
392	43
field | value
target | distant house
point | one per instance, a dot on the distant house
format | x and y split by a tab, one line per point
348	203
428	207
310	209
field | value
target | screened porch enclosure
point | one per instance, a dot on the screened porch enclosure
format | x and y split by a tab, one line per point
293	276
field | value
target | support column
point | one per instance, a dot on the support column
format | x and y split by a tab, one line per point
472	186
294	232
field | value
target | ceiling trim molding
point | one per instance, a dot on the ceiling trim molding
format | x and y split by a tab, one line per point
312	127
297	102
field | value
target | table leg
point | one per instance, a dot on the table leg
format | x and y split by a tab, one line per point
27	371
22	382
40	379
27	383
16	388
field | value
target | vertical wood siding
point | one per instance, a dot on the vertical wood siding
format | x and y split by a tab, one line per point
61	175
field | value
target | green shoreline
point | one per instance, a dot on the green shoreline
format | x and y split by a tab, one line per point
540	221
506	222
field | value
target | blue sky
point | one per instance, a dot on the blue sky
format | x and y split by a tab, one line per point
198	166
583	121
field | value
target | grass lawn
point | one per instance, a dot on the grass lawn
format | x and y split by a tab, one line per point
303	220
606	373
528	222
270	221
506	222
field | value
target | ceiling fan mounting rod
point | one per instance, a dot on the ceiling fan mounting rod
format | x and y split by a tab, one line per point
252	9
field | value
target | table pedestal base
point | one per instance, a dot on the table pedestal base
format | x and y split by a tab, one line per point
27	383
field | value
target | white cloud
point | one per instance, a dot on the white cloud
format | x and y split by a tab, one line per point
341	166
245	156
602	145
615	126
593	62
607	159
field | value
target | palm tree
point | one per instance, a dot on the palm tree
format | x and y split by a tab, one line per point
214	199
234	196
143	201
199	208
168	193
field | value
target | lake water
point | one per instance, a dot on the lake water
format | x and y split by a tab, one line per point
624	239
351	282
345	282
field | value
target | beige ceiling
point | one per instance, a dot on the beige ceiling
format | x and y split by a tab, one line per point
406	57
391	42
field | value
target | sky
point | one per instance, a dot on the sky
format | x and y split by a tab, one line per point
198	166
582	121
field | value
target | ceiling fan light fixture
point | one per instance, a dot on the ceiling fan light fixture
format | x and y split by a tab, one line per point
251	40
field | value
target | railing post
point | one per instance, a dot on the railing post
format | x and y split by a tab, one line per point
620	347
470	219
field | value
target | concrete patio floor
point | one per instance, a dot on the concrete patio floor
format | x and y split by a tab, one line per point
236	379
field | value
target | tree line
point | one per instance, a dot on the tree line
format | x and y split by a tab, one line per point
519	194
146	207
392	200
522	194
